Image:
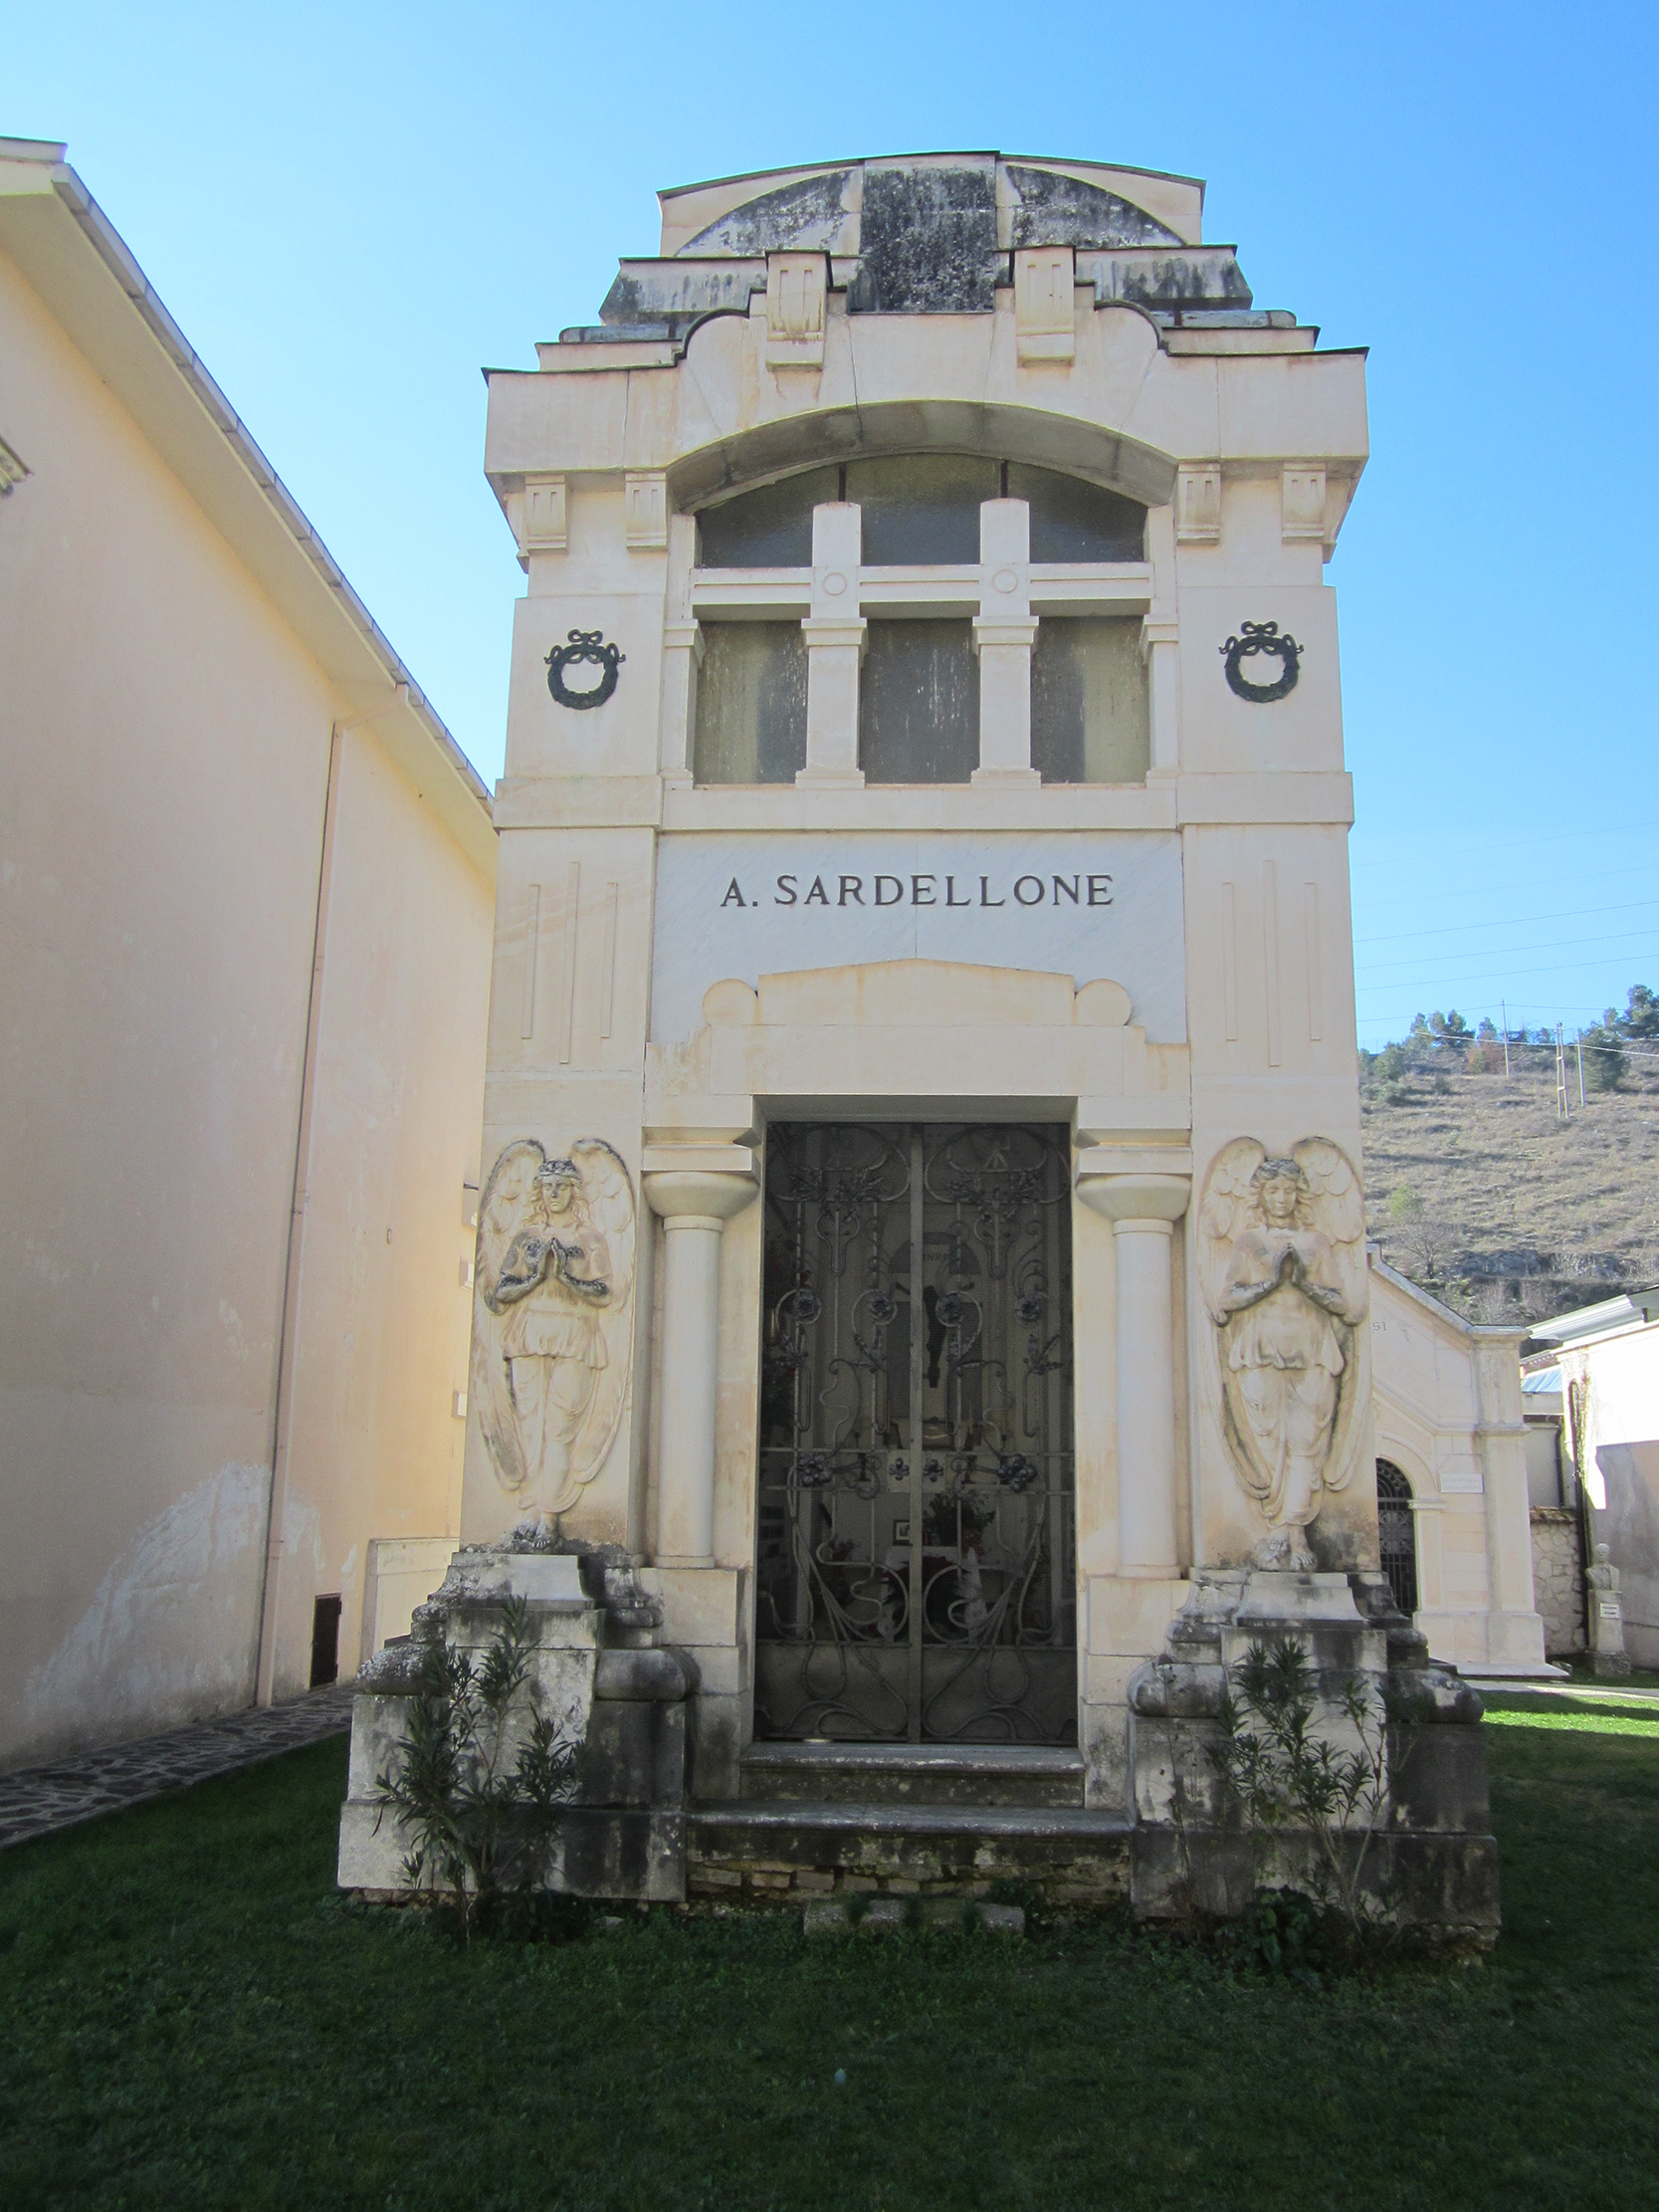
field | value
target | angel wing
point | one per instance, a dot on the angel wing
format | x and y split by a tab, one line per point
609	1198
501	1214
1339	1210
1227	1206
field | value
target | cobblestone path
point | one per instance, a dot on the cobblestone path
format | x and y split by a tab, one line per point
35	1800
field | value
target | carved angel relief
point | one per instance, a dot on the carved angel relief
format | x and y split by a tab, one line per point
554	1281
1282	1261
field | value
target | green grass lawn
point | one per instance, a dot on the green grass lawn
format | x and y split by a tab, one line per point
192	2019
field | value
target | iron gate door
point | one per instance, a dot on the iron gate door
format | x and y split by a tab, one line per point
916	1573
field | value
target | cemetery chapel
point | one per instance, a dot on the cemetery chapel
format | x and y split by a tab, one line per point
921	1286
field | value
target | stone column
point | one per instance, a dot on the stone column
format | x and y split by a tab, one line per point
1161	650
682	656
1159	630
834	632
1004	633
696	1201
1142	1210
1514	1632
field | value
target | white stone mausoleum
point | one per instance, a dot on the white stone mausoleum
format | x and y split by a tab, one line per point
921	1222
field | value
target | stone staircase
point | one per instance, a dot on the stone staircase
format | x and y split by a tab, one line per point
820	1819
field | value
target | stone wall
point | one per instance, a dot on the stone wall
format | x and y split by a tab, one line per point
1557	1579
734	1860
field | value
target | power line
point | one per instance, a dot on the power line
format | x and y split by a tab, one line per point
1421	841
1438	1042
1556	945
1445	980
1515	921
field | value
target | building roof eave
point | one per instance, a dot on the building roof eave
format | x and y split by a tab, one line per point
73	257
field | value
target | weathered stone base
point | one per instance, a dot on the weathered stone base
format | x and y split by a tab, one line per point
1426	1858
888	1916
1443	1885
782	1853
596	1660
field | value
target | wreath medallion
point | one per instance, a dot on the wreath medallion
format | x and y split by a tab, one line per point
1258	637
589	646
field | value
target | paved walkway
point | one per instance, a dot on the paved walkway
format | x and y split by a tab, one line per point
35	1800
1606	1688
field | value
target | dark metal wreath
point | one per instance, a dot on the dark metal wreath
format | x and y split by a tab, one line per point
1258	637
585	645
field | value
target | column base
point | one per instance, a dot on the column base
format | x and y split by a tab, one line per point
1006	779
829	780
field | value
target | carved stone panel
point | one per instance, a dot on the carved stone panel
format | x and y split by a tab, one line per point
1281	1261
552	1293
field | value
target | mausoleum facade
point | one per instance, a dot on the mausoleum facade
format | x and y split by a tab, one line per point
921	1222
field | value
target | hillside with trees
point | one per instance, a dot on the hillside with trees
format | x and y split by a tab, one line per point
1481	1192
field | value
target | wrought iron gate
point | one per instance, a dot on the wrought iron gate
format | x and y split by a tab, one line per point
916	1572
1397	1534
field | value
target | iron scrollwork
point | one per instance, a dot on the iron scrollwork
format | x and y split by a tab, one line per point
1257	638
585	646
917	1554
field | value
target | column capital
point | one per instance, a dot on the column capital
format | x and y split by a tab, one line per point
1004	629
822	630
705	1183
1142	1198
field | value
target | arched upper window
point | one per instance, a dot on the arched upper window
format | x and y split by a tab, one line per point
920	676
1398	1534
921	509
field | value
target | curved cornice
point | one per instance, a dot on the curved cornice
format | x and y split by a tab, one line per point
919	424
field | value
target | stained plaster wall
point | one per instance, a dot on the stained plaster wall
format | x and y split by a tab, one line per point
161	828
1616	1383
373	1446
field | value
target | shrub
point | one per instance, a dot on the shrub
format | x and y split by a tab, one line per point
1284	1776
482	1827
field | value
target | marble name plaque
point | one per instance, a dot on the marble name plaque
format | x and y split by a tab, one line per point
1075	904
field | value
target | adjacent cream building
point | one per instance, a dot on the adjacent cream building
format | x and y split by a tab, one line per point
247	882
1604	1390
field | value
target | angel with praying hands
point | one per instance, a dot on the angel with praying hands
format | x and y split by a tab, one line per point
551	1356
1283	1261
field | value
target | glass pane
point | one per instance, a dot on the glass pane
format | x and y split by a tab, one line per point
919	704
750	704
1089	703
1075	521
770	527
922	509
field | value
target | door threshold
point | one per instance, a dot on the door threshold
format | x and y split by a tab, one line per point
933	1758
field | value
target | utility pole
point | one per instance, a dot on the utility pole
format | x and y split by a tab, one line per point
1561	1075
1581	1068
1504	1011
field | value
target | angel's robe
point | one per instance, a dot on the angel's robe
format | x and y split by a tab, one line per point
1285	1329
556	1321
1285	1353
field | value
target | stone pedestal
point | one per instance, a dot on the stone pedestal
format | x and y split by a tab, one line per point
1427	1859
598	1667
1605	1613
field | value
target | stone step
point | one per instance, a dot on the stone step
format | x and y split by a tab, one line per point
972	1774
783	1852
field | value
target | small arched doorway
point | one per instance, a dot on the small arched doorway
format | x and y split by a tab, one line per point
1397	1534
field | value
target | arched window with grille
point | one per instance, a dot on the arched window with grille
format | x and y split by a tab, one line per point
1398	1534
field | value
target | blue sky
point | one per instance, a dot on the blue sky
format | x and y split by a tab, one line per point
349	209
